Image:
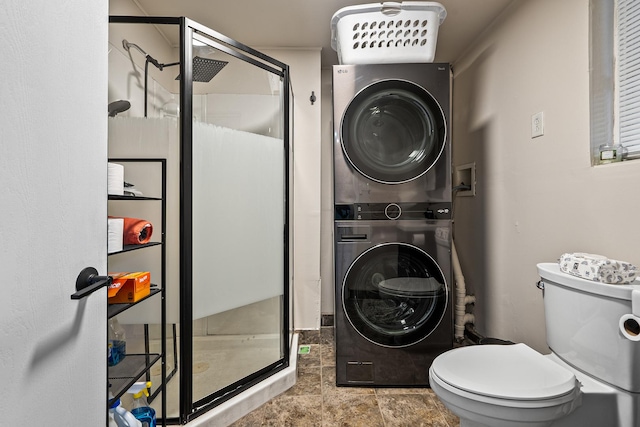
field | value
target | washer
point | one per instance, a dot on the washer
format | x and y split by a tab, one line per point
392	133
394	311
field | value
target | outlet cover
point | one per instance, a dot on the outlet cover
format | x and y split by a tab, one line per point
537	125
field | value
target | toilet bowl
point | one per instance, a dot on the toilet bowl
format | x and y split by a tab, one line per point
504	386
589	379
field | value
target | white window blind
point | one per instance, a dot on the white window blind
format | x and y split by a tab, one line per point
628	69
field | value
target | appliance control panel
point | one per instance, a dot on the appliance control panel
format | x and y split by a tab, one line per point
392	211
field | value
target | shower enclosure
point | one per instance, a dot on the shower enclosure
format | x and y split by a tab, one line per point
219	113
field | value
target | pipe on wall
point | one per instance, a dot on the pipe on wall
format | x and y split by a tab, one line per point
462	299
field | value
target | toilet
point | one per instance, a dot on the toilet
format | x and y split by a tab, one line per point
590	378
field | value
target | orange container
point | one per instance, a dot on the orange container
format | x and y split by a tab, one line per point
129	287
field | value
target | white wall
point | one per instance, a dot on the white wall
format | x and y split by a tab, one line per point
536	198
326	243
150	40
126	68
53	117
305	77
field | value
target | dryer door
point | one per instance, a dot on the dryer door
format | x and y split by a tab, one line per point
393	131
394	295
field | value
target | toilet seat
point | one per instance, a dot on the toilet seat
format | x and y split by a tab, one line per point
504	386
515	373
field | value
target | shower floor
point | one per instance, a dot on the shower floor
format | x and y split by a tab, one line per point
217	362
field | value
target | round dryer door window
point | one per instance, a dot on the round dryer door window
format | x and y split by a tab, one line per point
393	131
394	295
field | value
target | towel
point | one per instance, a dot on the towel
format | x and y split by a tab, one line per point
136	231
598	268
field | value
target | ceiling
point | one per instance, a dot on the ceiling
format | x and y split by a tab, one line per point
307	23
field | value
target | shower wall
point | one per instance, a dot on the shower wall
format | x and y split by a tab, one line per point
126	70
248	112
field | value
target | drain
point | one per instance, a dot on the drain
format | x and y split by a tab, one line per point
200	367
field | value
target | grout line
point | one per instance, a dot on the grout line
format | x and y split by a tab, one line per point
379	408
321	394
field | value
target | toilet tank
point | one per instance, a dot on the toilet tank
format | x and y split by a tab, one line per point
583	324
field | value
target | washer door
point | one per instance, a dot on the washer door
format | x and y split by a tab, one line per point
393	131
394	295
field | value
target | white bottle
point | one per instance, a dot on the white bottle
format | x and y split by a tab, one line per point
122	417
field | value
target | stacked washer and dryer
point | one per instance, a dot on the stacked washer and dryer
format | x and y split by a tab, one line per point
392	195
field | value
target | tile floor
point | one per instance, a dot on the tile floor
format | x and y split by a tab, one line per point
315	401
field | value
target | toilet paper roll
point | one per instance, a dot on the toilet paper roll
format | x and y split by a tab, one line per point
115	228
115	179
630	327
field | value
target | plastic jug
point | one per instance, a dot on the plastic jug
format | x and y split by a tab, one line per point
112	420
121	417
116	347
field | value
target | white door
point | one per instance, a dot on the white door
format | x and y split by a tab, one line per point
53	137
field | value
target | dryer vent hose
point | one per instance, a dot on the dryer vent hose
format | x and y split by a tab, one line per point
462	299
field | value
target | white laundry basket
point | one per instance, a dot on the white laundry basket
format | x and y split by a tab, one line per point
389	32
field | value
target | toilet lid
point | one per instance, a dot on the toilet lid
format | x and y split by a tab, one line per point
515	372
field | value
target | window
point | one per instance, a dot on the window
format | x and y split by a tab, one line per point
615	80
628	75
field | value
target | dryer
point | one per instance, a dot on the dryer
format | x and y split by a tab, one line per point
392	133
394	311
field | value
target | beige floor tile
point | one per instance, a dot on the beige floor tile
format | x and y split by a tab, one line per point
293	411
451	418
312	358
252	419
414	410
327	355
309	337
329	385
399	391
307	383
326	335
351	411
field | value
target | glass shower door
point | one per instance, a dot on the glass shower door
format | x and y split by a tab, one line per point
218	113
239	222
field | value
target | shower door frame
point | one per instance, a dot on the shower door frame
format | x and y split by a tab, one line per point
187	27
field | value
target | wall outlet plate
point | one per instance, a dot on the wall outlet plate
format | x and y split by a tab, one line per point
537	125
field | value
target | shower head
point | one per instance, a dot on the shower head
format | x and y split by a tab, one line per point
117	107
204	69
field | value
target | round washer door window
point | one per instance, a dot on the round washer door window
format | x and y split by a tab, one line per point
393	131
394	295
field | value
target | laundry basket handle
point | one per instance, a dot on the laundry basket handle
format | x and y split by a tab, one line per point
390	8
